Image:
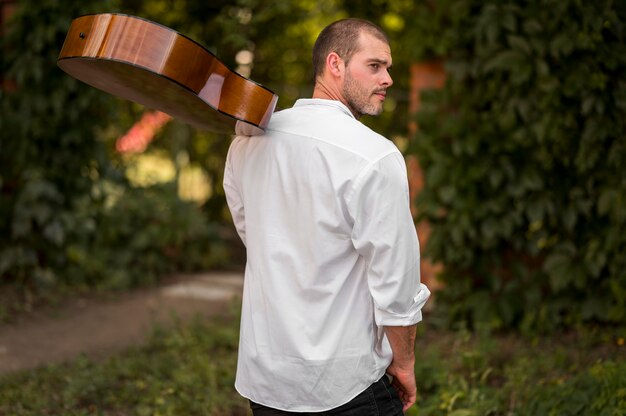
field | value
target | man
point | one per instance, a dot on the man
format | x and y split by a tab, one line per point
332	290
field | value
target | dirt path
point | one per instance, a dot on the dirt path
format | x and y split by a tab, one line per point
98	328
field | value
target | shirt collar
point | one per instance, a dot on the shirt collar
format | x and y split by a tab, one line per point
326	103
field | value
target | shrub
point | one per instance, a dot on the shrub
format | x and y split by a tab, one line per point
67	215
137	236
49	152
524	156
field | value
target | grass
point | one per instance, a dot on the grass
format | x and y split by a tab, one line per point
580	372
189	370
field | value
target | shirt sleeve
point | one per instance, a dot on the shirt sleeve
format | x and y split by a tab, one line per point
384	234
233	194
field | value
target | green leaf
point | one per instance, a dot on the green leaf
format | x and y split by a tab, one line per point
606	201
569	218
587	105
447	194
559	268
561	45
6	260
531	180
594	307
519	43
489	229
55	233
495	177
532	26
436	174
507	60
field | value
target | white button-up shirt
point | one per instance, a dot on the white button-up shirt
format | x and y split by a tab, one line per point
322	204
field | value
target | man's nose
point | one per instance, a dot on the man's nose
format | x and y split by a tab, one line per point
387	81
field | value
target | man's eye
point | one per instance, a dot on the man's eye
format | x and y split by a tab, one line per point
374	66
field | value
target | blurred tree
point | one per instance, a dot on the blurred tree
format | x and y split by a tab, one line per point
62	188
48	150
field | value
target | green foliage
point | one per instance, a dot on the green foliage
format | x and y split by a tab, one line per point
465	374
185	371
136	236
523	151
48	151
190	370
524	156
599	391
67	215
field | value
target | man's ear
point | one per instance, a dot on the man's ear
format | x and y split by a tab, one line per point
334	64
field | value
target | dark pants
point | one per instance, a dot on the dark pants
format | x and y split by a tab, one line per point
380	399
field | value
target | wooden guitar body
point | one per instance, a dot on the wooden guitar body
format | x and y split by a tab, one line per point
153	65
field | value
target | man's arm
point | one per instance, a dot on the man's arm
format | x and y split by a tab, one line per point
402	367
233	197
384	234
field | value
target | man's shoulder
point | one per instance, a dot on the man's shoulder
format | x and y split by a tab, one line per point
333	128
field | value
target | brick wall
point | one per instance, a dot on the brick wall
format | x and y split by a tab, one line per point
426	75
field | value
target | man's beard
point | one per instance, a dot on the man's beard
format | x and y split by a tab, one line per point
358	98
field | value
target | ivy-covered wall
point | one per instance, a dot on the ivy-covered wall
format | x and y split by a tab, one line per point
524	154
523	150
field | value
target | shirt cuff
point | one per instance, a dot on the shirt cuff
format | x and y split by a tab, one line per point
411	317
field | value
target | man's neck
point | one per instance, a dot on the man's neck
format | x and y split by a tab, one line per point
327	92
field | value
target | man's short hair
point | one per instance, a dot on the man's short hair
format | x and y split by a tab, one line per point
342	37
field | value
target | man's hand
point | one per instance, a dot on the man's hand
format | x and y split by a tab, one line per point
404	383
402	367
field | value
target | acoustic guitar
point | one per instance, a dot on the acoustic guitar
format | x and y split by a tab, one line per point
145	62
